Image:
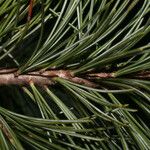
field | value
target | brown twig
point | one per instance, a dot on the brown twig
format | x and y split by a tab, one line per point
8	77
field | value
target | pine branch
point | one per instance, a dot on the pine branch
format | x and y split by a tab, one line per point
9	77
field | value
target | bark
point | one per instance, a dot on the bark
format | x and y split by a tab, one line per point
8	79
9	76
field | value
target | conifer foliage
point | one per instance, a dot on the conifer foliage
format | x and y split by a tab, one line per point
74	74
